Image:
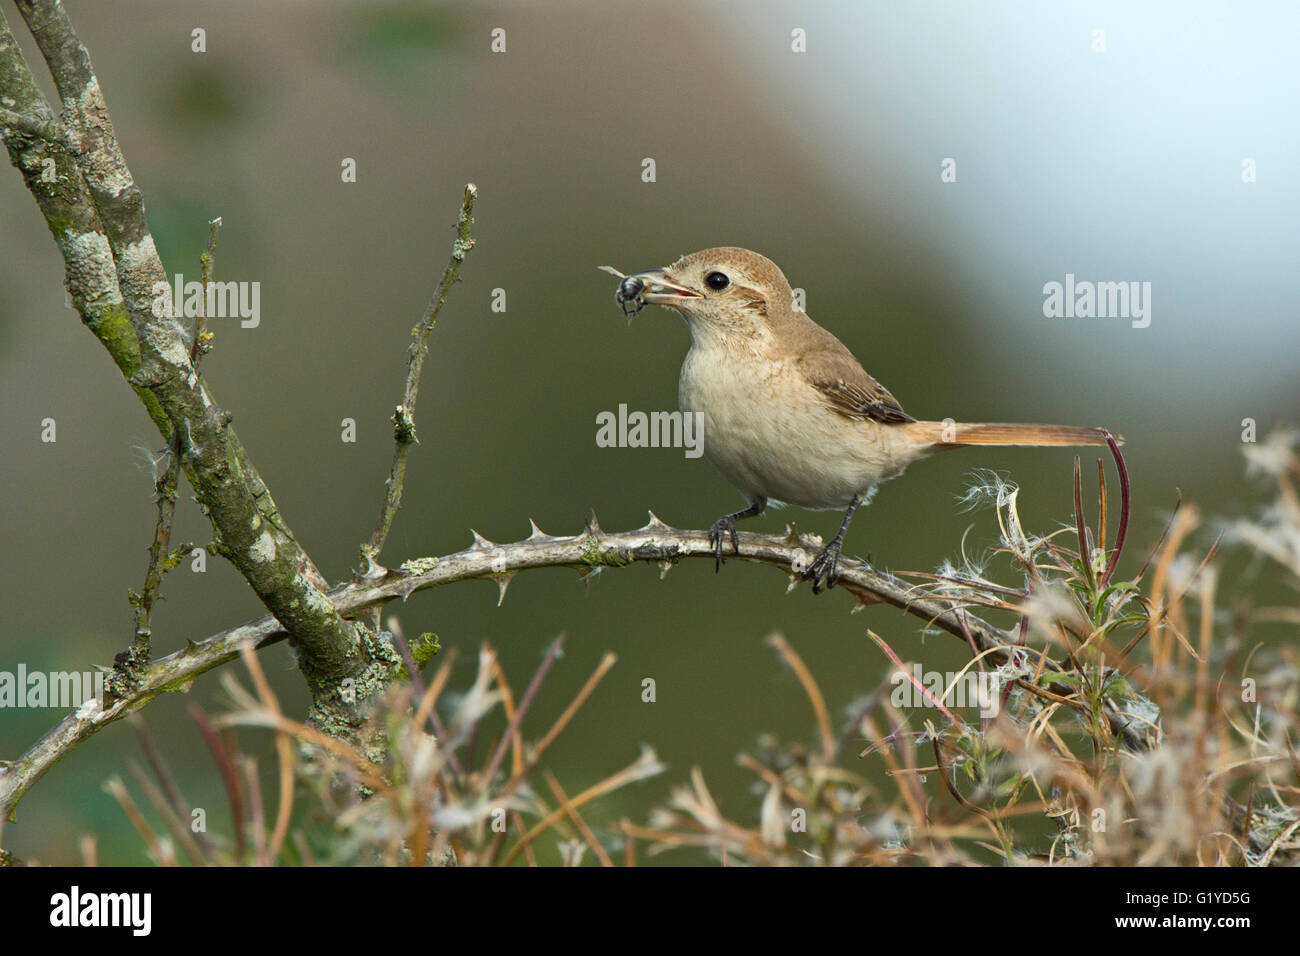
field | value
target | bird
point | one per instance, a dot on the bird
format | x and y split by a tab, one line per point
790	415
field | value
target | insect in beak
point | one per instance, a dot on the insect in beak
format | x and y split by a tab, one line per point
652	287
628	295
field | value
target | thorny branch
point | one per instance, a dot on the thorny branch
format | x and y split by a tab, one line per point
590	552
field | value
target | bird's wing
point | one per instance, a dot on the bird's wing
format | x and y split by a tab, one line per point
846	387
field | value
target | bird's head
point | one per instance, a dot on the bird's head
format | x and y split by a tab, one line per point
727	290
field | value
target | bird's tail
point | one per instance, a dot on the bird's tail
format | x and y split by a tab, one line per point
957	434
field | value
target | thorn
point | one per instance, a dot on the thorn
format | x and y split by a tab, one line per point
794	583
655	524
792	535
406	589
593	526
538	534
664	567
374	570
503	582
480	543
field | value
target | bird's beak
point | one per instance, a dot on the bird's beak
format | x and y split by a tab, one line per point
652	287
661	290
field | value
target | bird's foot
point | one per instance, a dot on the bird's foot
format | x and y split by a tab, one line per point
825	567
723	528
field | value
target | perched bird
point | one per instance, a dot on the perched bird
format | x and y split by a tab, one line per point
790	416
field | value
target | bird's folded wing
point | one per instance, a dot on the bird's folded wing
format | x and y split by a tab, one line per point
847	388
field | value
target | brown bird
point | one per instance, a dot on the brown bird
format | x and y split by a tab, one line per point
790	416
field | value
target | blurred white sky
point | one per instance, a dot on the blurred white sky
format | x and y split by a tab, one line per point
1122	165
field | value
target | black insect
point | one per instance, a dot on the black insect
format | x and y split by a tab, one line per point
629	295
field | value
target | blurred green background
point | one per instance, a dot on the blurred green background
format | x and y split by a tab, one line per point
1122	165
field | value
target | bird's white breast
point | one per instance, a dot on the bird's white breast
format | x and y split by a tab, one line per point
771	435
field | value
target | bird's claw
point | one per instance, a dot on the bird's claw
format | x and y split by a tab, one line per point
726	525
824	568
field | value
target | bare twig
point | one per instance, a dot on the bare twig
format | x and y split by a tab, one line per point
161	558
207	262
404	415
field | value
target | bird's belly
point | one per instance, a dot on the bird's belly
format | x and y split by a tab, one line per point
772	437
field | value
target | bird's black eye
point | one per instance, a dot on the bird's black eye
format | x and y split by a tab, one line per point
716	281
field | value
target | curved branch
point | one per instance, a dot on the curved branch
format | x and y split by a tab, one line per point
96	213
590	552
